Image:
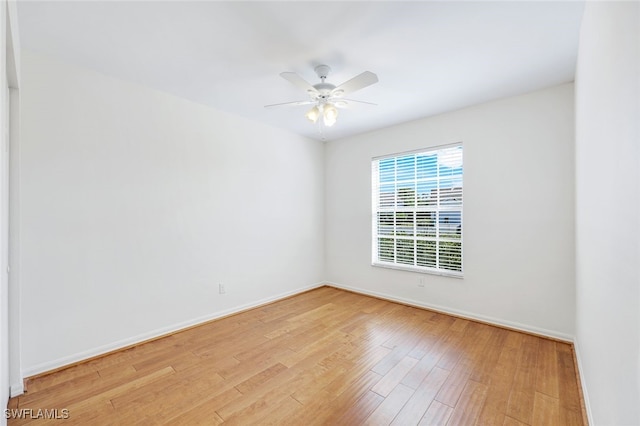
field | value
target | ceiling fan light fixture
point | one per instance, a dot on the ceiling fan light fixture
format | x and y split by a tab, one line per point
313	114
330	115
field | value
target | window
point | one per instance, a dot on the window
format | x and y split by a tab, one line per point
417	210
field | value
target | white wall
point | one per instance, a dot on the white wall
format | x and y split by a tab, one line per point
136	204
4	282
15	346
10	59
607	211
518	212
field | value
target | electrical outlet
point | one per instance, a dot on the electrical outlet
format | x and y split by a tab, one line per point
222	289
421	282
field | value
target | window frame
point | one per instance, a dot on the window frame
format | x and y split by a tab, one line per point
416	209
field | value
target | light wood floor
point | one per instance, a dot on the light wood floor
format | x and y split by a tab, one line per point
323	357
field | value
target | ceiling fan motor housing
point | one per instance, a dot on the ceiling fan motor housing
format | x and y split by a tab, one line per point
324	90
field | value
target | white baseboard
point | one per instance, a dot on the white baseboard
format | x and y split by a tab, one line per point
81	356
16	390
583	383
469	315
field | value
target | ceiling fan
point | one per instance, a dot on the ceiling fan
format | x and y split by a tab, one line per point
325	97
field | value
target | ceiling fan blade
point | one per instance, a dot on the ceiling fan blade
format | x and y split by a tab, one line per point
361	102
298	81
358	82
291	104
346	103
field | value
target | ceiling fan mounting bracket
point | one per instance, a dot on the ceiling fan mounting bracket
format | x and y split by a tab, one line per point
322	71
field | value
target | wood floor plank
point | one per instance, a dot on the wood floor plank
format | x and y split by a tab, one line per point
568	389
483	366
440	349
547	369
49	380
206	362
326	356
85	409
260	378
570	417
316	351
272	390
240	371
204	418
429	335
411	329
546	410
162	360
204	407
274	406
314	315
181	388
298	376
390	407
12	403
416	375
521	397
122	372
422	398
360	410
328	406
451	344
362	361
510	421
469	407
452	388
478	347
230	346
122	358
394	376
99	411
438	414
391	360
325	375
499	386
76	390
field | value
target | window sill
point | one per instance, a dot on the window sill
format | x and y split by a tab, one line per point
450	274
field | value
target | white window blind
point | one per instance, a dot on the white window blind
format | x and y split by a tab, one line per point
417	210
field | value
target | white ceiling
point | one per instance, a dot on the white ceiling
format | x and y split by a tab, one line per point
430	57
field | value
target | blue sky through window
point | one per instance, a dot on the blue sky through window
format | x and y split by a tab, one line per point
419	172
